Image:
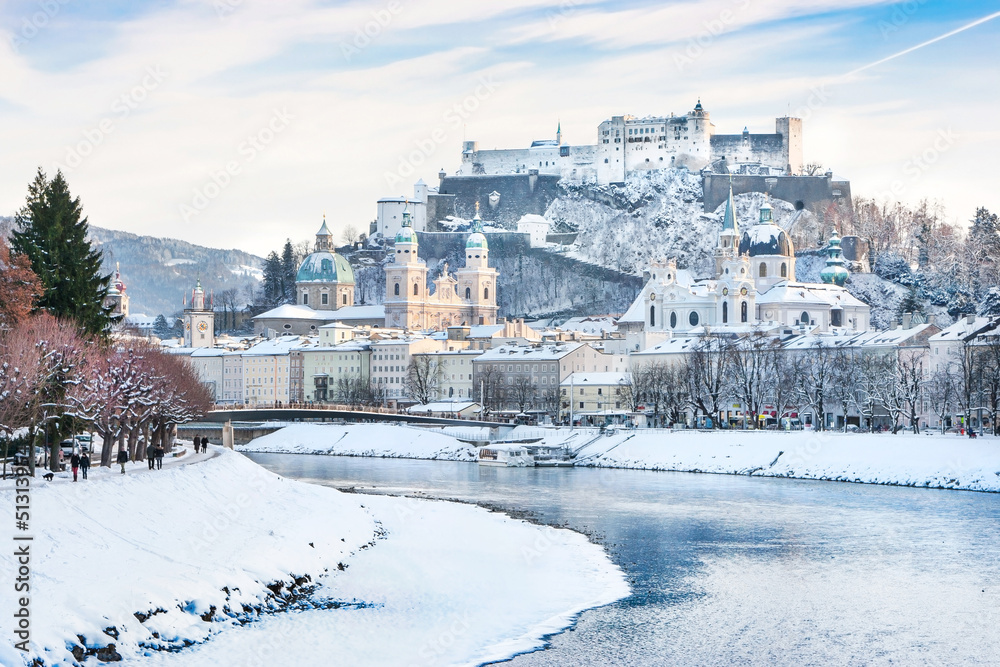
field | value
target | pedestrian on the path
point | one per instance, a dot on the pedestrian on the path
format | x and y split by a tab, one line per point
159	457
74	463
85	464
196	442
150	455
122	459
204	444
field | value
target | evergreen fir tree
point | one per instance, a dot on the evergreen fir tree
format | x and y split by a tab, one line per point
160	327
273	289
289	268
52	233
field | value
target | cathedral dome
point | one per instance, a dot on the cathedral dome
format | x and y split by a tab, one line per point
476	240
766	240
406	234
325	267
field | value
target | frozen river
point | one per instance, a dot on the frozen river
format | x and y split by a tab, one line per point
732	570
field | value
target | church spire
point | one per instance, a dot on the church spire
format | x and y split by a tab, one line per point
729	218
559	134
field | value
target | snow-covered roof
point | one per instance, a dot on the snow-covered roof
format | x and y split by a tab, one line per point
290	311
758	240
337	325
524	352
597	379
806	294
592	325
963	329
533	218
484	330
208	352
277	346
399	200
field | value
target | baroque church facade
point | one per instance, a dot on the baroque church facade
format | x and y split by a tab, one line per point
468	298
754	287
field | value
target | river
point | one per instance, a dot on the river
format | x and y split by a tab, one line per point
729	570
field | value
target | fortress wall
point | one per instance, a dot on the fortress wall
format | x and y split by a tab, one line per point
519	194
804	191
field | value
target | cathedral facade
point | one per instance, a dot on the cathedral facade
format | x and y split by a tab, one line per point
467	298
754	287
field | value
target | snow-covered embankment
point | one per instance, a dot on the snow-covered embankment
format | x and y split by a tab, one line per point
164	559
928	460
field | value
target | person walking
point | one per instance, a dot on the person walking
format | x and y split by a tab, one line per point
159	457
74	463
196	442
122	459
150	455
204	444
85	464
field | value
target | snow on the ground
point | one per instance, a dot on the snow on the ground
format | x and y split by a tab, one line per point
451	585
173	539
945	461
177	542
375	440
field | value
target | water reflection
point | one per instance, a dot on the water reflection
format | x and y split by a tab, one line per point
733	570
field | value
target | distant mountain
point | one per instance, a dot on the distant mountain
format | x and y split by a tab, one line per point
159	272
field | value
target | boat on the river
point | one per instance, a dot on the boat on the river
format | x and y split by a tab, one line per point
509	455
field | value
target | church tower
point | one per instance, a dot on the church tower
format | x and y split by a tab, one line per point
729	238
117	299
405	281
477	282
199	321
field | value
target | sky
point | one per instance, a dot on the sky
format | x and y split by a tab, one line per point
240	123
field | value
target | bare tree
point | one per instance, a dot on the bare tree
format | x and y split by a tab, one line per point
940	389
521	393
910	383
750	370
423	378
350	235
815	372
706	377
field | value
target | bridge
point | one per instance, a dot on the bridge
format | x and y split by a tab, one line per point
295	413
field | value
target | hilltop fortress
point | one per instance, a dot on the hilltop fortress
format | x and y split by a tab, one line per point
627	145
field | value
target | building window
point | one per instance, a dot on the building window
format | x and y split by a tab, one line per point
652	316
416	289
345	298
673	320
763	270
395	289
693	318
725	312
804	318
743	312
486	292
305	298
784	270
468	292
324	299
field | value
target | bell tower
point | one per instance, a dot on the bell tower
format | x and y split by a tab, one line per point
405	281
199	321
477	281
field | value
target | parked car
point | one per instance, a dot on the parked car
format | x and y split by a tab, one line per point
20	458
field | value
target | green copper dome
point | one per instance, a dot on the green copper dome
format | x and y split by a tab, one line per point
325	267
834	273
406	233
477	239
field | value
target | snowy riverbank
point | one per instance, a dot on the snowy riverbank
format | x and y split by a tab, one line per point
925	460
194	554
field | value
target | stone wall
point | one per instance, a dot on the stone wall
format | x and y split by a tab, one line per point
519	194
804	192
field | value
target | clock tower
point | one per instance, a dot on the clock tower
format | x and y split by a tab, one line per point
199	322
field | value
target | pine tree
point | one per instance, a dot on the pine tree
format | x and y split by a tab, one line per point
52	233
160	327
289	268
273	290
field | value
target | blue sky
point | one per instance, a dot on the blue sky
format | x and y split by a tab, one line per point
238	123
